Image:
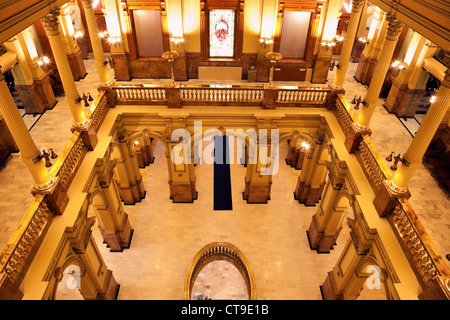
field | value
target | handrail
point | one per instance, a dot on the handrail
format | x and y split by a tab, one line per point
423	256
25	241
282	96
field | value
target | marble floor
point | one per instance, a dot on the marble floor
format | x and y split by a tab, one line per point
285	266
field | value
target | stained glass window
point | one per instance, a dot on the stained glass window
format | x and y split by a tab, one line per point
221	33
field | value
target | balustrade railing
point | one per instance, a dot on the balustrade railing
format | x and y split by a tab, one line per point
26	239
423	256
223	95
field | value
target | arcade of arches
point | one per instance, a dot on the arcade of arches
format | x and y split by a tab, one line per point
114	215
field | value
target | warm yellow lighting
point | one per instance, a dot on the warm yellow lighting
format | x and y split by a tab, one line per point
136	142
30	44
432	99
305	145
78	34
69	25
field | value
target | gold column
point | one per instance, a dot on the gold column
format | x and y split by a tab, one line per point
96	43
413	156
348	43
72	97
370	101
28	150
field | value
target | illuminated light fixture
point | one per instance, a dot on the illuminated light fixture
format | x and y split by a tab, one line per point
432	99
363	40
265	42
348	7
78	35
136	142
305	145
177	40
114	41
170	57
273	57
44	62
331	43
397	66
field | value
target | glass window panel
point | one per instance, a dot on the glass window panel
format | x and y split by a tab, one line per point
221	33
294	33
147	25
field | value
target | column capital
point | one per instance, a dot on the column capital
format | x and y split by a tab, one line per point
395	26
446	81
357	5
87	3
51	22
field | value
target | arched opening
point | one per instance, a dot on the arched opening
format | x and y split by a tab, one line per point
374	287
218	251
223	280
69	287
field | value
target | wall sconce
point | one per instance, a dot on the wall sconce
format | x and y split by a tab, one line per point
332	64
177	40
265	42
356	102
433	99
110	61
363	40
43	63
305	145
46	155
114	41
397	66
396	159
85	98
78	35
331	43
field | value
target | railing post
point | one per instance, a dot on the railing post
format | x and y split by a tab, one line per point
173	95
270	96
386	199
8	290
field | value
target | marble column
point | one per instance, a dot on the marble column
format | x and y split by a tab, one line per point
347	46
30	154
72	97
370	101
412	159
99	56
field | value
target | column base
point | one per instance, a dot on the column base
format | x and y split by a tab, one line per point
305	194
77	65
133	193
401	100
386	199
8	290
321	68
121	69
319	241
328	290
183	193
119	240
111	291
256	193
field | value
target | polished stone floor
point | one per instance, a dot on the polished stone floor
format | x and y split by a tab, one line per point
277	242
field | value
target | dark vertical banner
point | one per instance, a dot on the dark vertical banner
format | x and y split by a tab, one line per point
222	174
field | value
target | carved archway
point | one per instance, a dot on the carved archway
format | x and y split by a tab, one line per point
220	251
